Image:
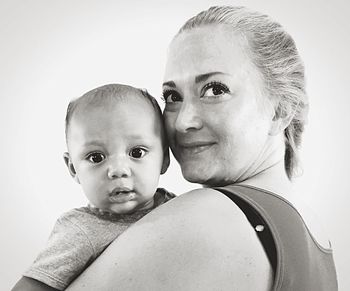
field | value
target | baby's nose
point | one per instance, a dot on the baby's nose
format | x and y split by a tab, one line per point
118	169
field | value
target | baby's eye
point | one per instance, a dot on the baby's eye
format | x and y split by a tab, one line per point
171	96
214	89
137	153
96	158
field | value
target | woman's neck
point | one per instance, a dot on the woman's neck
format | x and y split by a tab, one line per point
273	178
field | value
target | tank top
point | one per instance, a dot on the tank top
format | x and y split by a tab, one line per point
298	261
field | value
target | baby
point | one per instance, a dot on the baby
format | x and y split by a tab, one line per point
117	150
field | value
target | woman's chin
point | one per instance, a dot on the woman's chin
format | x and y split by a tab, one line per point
194	175
207	177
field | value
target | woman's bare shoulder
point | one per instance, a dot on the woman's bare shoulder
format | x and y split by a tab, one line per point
197	241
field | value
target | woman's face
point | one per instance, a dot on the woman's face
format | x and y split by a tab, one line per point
216	116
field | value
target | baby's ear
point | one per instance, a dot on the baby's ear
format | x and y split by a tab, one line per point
166	162
69	164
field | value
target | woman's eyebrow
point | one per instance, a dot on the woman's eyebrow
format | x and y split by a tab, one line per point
198	79
169	84
203	77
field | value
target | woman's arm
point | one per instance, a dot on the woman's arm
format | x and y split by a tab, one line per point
198	241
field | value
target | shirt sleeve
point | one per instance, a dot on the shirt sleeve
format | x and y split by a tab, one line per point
161	196
67	253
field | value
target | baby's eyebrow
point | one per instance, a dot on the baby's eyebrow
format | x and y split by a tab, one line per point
93	143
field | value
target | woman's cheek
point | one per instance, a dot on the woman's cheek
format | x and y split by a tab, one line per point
169	125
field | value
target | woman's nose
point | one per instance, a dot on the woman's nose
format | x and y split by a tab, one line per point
118	169
188	118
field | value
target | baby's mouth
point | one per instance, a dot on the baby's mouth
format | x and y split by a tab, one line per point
121	195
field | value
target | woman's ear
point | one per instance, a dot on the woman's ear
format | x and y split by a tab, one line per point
166	161
280	122
69	164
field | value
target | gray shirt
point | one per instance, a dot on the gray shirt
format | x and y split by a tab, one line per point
78	238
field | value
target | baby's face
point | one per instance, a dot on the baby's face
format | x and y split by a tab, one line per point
117	154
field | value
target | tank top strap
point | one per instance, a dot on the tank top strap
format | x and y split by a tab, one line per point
298	261
256	220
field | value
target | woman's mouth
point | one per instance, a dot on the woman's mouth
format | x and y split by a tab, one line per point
193	148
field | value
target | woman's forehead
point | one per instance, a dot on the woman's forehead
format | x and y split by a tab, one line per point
206	49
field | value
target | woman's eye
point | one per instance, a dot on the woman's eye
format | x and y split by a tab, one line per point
171	96
214	89
96	158
137	153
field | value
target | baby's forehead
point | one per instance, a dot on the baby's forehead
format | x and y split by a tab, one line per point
134	108
101	105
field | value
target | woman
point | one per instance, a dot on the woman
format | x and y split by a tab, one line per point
235	111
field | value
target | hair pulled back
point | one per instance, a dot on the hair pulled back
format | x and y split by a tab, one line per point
274	53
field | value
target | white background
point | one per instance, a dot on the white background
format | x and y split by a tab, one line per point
53	51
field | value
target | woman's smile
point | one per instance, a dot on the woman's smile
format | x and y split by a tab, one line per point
193	147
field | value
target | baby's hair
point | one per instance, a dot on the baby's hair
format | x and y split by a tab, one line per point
101	96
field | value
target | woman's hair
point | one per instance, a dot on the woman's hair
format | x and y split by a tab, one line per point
274	53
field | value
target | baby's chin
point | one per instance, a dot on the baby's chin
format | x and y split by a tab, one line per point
130	207
126	208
